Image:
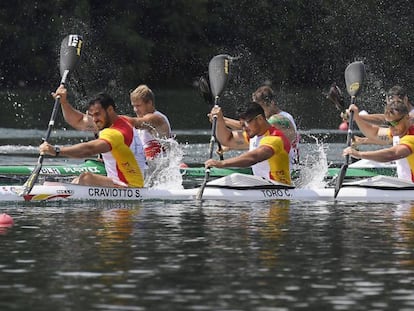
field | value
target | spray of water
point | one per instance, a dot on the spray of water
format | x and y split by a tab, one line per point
314	166
164	170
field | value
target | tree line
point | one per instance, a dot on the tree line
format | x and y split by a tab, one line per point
168	44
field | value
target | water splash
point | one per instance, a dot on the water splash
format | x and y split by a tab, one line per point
314	167
164	170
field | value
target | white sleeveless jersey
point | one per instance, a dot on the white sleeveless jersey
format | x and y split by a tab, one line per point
150	143
403	168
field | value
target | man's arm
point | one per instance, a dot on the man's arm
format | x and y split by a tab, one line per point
369	130
377	119
74	117
384	155
285	125
233	139
81	150
247	159
383	140
232	123
152	122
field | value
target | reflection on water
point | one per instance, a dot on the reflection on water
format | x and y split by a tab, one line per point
182	256
172	255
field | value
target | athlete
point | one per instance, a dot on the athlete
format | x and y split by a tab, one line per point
399	131
151	123
268	147
118	142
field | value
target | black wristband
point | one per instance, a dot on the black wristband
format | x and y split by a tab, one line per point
57	151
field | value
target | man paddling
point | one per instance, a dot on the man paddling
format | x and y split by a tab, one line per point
280	119
394	93
268	147
118	142
399	131
151	124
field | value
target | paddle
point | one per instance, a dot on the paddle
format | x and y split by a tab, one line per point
205	91
209	98
70	51
335	96
218	71
354	77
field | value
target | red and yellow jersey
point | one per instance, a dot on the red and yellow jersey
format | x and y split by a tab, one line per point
277	166
121	162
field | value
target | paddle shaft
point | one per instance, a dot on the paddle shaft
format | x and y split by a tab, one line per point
211	150
344	167
30	182
213	133
55	109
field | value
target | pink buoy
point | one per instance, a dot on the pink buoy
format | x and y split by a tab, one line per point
343	126
6	220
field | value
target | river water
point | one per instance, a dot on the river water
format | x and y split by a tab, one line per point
214	255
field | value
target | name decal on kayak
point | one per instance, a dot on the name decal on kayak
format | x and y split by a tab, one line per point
92	169
276	193
115	192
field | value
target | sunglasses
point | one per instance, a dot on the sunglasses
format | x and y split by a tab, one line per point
394	123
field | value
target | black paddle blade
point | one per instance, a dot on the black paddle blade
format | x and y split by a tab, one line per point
336	97
218	72
204	88
30	182
354	77
340	179
70	52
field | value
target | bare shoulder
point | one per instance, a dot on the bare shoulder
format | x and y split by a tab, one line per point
280	121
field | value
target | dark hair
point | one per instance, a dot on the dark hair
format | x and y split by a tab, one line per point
396	90
104	99
264	94
251	110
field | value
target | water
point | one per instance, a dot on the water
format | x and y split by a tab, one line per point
172	255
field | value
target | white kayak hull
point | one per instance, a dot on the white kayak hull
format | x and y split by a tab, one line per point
236	187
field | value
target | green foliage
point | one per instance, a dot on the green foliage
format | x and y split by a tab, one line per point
167	44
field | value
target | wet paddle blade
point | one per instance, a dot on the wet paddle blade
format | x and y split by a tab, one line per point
335	96
218	72
204	89
70	52
340	179
354	77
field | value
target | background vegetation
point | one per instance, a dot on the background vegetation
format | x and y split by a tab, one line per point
300	47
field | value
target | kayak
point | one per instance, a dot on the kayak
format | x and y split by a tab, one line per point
359	169
234	187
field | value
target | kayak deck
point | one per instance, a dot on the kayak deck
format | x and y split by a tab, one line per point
235	187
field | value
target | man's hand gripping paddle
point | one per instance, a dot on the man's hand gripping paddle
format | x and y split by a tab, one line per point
70	52
354	77
218	72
